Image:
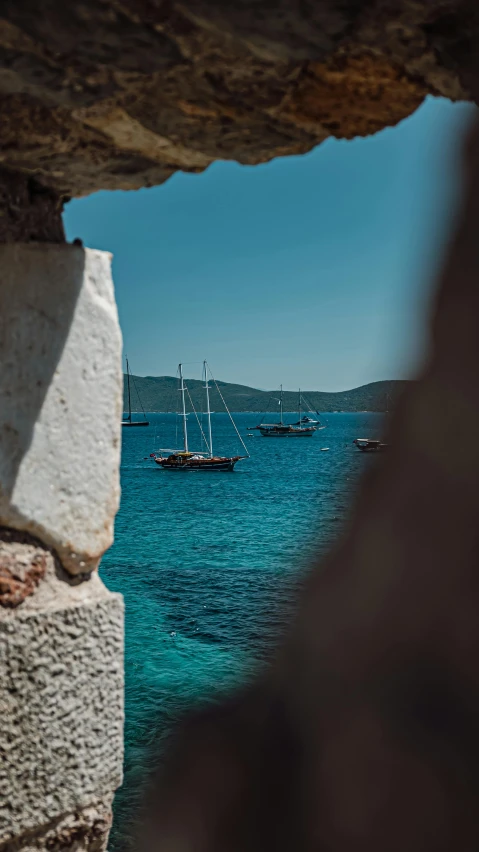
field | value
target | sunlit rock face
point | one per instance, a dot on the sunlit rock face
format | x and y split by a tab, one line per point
120	94
61	395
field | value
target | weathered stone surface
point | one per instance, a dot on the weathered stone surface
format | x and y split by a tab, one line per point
85	830
29	212
60	398
122	93
22	565
61	706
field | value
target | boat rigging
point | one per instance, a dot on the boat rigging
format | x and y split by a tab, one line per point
184	459
127	421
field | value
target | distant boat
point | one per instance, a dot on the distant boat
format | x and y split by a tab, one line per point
368	445
127	421
184	459
305	427
305	421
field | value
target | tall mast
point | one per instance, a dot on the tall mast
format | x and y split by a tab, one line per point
208	412
281	406
299	406
128	381
182	389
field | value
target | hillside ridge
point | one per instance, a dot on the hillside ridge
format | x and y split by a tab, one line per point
160	394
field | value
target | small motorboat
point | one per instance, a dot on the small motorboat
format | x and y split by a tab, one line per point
368	445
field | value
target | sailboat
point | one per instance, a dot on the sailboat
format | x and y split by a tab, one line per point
185	459
304	428
127	421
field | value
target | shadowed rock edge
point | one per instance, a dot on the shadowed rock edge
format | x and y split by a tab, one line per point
122	94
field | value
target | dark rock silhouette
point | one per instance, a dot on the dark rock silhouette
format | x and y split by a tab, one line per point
364	733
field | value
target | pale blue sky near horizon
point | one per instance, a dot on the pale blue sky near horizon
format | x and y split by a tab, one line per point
310	271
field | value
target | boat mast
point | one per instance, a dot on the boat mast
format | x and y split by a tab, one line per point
299	406
281	407
182	389
208	412
129	397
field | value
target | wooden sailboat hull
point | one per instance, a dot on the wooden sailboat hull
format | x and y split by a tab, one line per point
272	433
200	460
204	465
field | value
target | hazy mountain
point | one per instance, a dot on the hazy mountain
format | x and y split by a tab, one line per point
160	393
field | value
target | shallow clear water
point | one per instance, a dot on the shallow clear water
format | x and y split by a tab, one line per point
209	563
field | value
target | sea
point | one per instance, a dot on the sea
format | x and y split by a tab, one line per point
211	564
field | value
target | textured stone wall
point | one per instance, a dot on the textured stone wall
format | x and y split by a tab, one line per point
61	631
83	830
123	93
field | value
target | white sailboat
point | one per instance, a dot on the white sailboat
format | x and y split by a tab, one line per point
184	458
304	428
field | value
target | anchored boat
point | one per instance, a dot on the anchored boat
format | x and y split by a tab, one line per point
368	445
127	421
305	427
184	459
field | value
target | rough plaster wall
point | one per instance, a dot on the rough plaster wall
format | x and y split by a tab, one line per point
84	830
61	700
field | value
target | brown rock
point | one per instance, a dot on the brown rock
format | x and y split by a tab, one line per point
29	211
122	93
23	563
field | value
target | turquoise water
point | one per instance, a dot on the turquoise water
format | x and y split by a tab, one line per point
209	565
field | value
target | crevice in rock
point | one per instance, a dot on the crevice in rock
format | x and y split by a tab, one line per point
29	212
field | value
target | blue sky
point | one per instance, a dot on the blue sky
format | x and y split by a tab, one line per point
312	271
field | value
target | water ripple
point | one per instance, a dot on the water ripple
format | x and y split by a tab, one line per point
210	566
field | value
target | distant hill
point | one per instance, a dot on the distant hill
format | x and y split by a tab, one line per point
160	393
